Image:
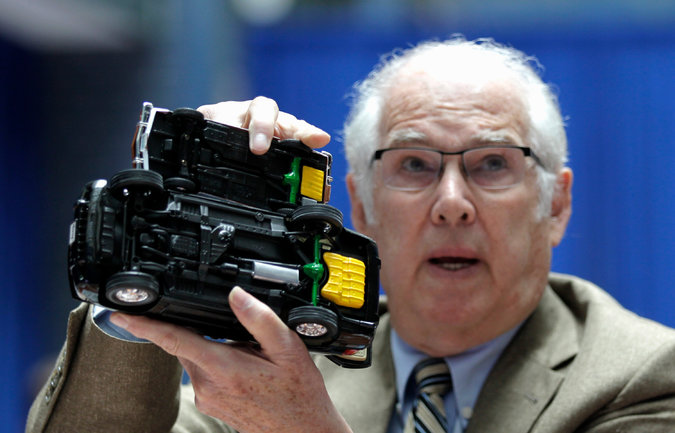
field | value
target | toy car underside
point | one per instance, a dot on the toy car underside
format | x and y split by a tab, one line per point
143	245
193	154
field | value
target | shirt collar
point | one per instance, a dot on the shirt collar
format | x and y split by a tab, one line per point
469	370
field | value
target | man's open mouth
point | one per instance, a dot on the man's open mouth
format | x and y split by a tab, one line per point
453	263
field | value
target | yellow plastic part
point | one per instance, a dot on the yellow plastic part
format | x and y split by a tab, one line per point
346	284
312	183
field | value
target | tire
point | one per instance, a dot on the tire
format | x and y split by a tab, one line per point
137	184
180	184
189	114
132	290
320	218
315	325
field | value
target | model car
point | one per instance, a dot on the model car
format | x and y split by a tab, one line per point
200	214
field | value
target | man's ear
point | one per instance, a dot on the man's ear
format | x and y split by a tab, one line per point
561	206
359	219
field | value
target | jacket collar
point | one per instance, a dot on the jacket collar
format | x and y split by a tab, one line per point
529	372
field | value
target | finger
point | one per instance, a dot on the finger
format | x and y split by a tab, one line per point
175	340
229	112
261	119
267	328
264	120
289	126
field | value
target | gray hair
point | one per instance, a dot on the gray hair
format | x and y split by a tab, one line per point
546	131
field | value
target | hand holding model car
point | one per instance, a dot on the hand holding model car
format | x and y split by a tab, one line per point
200	214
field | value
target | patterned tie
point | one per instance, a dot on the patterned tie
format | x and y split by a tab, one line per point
428	411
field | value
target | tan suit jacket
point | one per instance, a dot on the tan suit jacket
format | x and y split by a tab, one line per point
580	363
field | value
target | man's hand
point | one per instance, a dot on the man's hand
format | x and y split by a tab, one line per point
262	118
274	388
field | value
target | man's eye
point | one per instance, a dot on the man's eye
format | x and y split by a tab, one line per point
492	163
414	165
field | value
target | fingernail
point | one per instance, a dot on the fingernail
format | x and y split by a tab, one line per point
119	320
259	143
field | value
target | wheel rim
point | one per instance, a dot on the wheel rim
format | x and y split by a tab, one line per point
315	325
311	329
131	295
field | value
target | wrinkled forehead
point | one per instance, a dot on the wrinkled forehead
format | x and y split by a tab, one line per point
432	88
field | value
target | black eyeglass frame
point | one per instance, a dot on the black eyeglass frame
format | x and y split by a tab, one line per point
527	151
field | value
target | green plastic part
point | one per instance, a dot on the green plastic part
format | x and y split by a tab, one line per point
315	270
292	179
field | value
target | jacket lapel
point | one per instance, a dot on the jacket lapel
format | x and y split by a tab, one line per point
529	372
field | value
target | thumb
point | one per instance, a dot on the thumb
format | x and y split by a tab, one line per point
263	323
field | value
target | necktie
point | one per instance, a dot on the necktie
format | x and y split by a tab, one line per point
433	381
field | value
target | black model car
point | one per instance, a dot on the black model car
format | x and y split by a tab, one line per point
200	214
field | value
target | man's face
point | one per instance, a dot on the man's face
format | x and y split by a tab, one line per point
460	264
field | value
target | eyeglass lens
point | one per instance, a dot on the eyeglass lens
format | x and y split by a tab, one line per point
489	167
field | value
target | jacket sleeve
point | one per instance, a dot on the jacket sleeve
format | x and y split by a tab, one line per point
103	384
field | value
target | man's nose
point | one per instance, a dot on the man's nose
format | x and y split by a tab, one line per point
453	198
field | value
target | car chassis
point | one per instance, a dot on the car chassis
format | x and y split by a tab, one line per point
199	214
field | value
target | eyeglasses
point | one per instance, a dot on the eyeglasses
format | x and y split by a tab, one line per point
490	167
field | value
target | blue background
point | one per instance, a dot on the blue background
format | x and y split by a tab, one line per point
67	115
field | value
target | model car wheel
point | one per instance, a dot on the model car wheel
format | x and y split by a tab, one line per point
180	184
317	217
189	114
137	183
132	289
315	325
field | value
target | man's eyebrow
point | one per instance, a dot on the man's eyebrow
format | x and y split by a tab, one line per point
406	136
491	137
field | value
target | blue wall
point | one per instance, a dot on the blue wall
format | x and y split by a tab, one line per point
20	204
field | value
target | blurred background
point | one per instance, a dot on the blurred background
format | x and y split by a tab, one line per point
73	75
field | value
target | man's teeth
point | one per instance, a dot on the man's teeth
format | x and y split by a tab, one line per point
454	266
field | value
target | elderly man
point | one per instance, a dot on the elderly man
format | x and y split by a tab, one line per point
457	169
